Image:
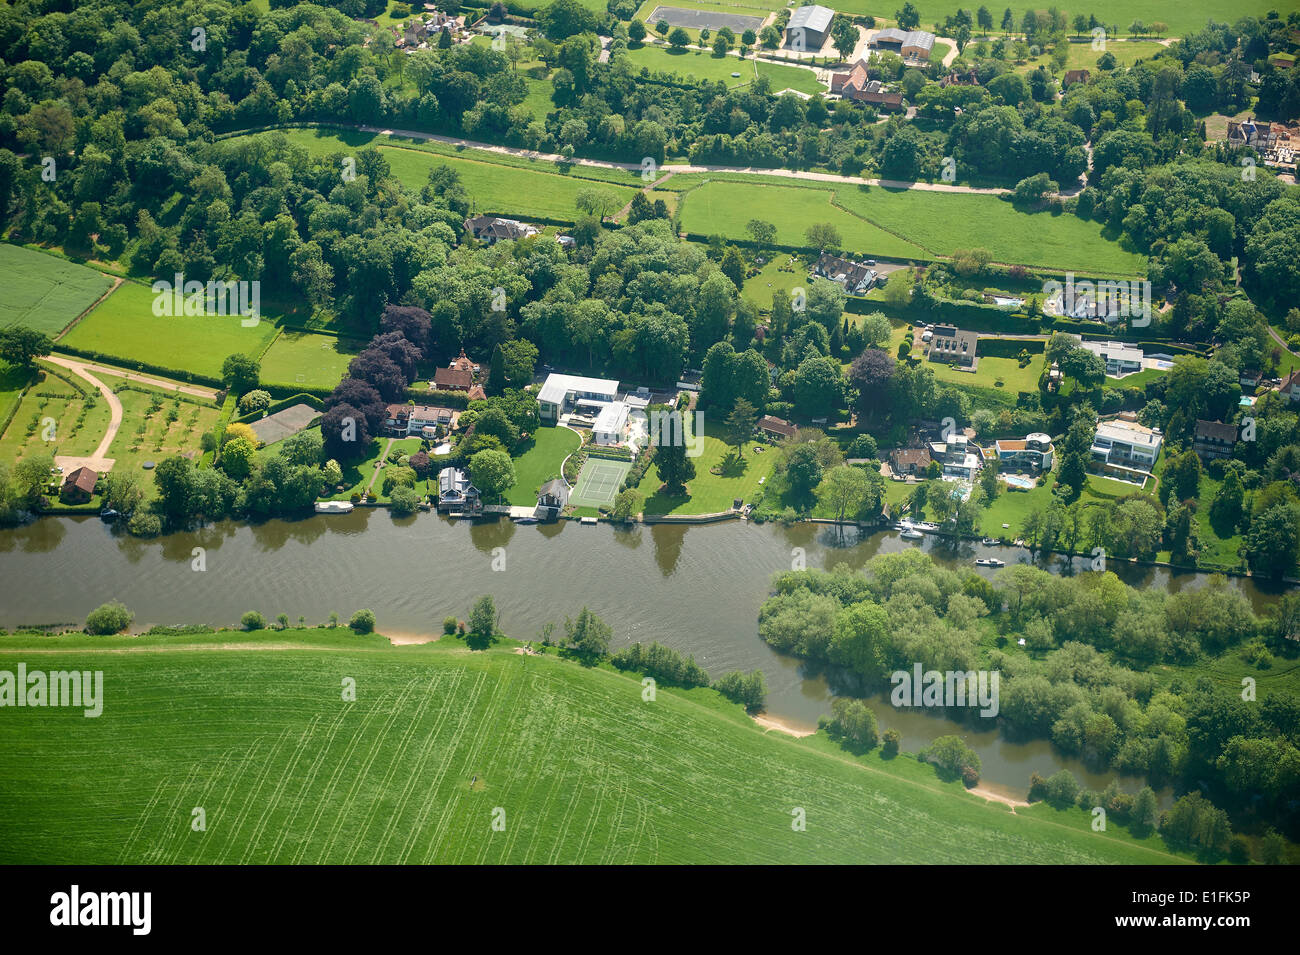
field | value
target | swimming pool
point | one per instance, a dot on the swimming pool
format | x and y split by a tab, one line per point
1019	480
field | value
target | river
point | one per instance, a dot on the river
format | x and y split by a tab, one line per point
697	589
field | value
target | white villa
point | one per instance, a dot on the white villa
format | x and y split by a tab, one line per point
960	459
561	394
1121	359
1125	449
611	427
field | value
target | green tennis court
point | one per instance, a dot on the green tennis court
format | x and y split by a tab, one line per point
598	482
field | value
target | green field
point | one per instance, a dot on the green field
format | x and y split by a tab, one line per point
718	69
710	493
494	187
540	462
125	327
900	223
1084	57
440	741
45	292
724	208
304	358
79	421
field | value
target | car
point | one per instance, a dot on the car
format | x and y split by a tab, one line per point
871	261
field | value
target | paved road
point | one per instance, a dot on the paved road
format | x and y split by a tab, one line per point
671	167
198	391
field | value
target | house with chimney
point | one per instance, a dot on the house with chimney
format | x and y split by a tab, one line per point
1214	439
857	85
952	346
855	277
494	229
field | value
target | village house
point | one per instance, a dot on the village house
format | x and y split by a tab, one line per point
776	428
909	44
855	277
857	85
1214	439
969	78
1074	76
425	421
910	462
79	486
456	494
552	499
493	229
950	345
1290	387
460	375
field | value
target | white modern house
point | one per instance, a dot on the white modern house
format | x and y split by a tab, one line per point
1125	446
1034	453
561	394
1121	359
959	458
611	424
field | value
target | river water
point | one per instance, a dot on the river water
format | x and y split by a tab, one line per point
697	589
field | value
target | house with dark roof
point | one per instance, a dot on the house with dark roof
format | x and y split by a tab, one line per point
492	229
969	78
1214	439
1290	387
79	486
552	498
423	420
952	345
855	277
858	86
1074	76
776	428
910	461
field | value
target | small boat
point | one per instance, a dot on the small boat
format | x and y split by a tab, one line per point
910	534
108	514
525	520
990	542
333	507
989	562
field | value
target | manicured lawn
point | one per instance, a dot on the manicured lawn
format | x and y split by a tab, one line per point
438	743
125	327
541	462
710	493
899	223
1084	57
43	291
945	222
724	207
782	273
13	379
311	360
1139	379
718	69
495	187
356	476
990	371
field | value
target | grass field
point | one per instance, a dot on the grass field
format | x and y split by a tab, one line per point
718	69
439	743
303	358
147	434
125	327
45	292
900	223
724	208
710	493
79	422
540	462
1084	57
494	187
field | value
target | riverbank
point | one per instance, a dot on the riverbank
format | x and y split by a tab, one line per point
291	768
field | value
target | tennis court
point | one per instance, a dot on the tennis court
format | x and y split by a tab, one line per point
598	482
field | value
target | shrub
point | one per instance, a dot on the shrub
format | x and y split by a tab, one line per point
891	741
109	618
448	624
144	524
252	621
255	400
748	689
404	501
363	621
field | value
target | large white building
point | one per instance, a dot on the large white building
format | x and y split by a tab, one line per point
561	394
1120	359
1126	445
611	424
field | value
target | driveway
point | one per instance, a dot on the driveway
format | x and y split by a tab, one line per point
99	461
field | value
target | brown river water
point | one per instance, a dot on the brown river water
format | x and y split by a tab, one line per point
697	589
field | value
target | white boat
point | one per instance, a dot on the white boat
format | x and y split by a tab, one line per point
990	542
910	533
989	562
333	507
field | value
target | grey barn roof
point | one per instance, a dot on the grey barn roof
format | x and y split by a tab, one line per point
815	18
